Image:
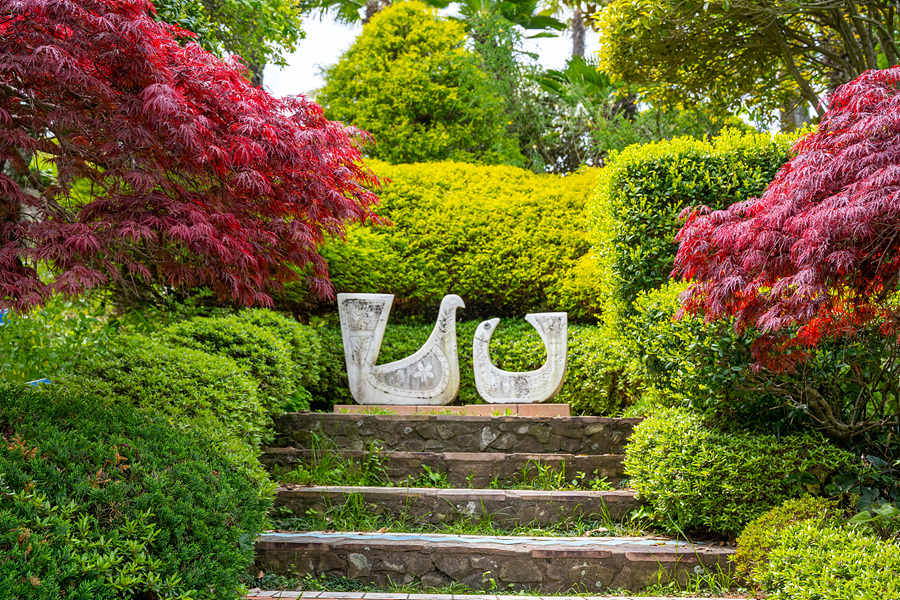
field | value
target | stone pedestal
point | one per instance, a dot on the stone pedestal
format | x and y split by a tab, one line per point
475	410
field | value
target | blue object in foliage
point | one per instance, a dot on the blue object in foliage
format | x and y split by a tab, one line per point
38	382
3	316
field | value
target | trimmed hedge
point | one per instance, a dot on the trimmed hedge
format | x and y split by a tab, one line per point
190	388
764	534
105	502
643	189
261	352
506	240
590	386
698	478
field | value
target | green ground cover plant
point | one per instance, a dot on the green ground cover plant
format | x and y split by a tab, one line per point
699	478
103	502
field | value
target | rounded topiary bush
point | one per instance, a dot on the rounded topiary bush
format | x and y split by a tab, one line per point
263	354
190	388
103	501
302	341
695	477
764	533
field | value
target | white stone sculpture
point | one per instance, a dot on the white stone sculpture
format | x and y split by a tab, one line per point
428	377
504	387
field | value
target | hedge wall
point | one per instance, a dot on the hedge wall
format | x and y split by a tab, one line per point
505	239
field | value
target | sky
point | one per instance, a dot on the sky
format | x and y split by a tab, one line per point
326	40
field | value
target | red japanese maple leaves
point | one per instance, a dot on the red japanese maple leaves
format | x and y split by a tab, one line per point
818	253
167	165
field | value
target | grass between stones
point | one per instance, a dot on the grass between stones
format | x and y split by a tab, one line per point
702	585
355	514
331	468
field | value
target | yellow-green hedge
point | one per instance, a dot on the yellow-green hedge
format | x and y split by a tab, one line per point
505	239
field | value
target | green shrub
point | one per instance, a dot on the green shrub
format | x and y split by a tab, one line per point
506	240
695	477
764	533
644	188
589	387
190	388
105	502
814	562
265	357
302	342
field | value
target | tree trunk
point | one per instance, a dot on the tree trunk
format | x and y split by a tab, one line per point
794	115
576	25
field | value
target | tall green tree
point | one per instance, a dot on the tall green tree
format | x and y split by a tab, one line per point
752	55
259	31
409	81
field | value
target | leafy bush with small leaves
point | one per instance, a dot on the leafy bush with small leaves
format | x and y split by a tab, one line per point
263	354
302	342
590	387
695	477
830	562
190	388
106	502
764	533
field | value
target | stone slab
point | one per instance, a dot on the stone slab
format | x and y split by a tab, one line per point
546	565
508	508
456	433
474	470
509	410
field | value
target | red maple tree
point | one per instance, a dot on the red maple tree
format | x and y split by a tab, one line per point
819	253
161	163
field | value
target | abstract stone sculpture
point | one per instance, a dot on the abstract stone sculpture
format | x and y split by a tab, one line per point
504	387
428	377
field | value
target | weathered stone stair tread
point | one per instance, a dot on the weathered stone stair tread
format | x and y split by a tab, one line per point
542	563
456	433
270	594
464	469
436	506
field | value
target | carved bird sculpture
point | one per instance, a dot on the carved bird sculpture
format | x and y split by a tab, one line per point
428	377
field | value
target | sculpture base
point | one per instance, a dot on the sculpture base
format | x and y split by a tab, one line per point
472	410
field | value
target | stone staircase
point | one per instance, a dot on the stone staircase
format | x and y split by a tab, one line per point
478	456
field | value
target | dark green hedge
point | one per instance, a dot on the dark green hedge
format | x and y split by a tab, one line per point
109	502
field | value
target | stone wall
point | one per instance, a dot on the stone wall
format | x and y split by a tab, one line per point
456	433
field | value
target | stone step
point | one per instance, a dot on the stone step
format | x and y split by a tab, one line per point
548	565
455	433
462	469
506	508
259	594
